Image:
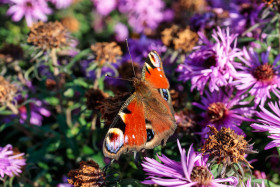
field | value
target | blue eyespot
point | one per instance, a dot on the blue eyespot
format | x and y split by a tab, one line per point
165	94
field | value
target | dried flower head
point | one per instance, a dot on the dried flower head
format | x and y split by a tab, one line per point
106	52
48	35
179	39
194	5
191	171
71	23
88	175
226	147
7	91
50	84
109	110
11	52
179	98
270	3
186	120
94	98
126	70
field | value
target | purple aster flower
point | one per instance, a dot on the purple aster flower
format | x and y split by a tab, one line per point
140	48
4	1
221	109
60	4
121	32
88	68
32	10
34	111
212	63
37	113
191	171
140	16
243	15
258	75
10	162
200	22
271	123
105	7
249	184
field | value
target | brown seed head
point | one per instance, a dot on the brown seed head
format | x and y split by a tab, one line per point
88	175
48	35
201	175
106	52
216	111
179	39
264	72
186	120
226	146
269	3
7	91
71	23
194	5
50	84
110	107
126	70
95	97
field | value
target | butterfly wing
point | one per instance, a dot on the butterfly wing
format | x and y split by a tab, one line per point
147	117
128	130
158	109
153	72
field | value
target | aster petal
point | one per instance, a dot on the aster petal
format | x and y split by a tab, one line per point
168	182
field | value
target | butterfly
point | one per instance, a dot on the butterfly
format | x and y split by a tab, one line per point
146	119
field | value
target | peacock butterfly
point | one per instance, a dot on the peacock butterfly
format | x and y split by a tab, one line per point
146	119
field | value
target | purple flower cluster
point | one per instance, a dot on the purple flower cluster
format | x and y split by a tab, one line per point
173	173
10	163
36	109
224	109
33	10
239	16
61	4
212	63
140	16
140	48
105	7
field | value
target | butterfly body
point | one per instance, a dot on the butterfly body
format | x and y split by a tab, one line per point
146	119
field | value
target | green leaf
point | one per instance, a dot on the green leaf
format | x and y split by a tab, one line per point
87	150
69	92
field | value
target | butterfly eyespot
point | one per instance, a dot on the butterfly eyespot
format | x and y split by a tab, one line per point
165	94
154	59
114	140
150	134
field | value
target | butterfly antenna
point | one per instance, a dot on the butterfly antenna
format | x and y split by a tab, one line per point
130	57
107	75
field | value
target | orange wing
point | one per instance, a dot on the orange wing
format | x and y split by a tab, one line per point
128	130
153	72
